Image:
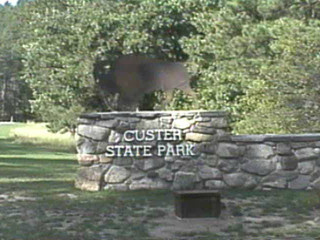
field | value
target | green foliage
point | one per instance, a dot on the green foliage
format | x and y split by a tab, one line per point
14	92
63	39
257	59
297	64
58	59
252	61
59	117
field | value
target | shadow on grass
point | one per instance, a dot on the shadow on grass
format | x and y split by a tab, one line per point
10	147
27	169
39	188
29	161
36	170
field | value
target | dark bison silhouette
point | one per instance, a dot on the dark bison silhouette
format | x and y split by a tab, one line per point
133	76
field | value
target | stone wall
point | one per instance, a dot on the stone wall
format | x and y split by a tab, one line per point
218	160
271	161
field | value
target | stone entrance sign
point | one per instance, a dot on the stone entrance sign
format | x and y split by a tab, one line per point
189	150
149	150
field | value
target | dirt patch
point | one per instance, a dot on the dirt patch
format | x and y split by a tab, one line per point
70	216
240	219
170	227
14	197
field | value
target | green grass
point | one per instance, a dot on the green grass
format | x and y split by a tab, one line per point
295	201
6	128
46	172
25	165
37	134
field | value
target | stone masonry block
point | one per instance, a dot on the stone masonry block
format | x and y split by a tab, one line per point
260	167
93	132
117	174
288	162
262	151
228	150
284	149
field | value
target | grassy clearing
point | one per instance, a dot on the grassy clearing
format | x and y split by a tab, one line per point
31	167
38	202
37	134
5	129
296	202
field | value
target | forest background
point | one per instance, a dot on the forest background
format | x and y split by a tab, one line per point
259	60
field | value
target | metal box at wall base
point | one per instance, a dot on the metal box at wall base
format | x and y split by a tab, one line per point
197	204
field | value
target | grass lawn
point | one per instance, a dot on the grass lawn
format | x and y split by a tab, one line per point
38	202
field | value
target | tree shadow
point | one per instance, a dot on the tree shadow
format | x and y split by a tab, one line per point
9	147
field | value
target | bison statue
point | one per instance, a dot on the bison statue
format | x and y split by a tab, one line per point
133	76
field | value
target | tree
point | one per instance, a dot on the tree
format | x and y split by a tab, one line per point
58	59
64	39
245	66
251	58
14	93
